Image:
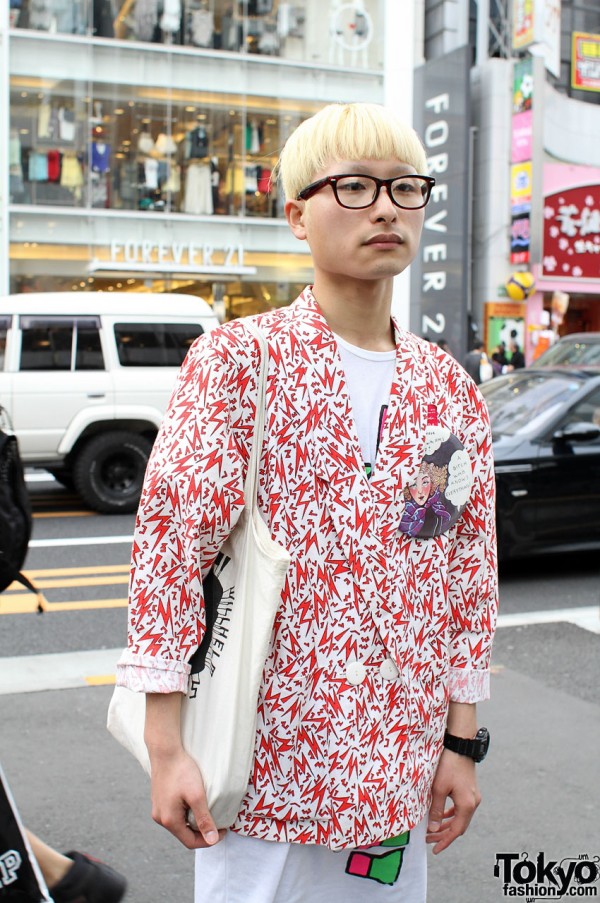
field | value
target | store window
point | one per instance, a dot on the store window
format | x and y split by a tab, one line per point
154	345
340	32
47	146
112	147
60	344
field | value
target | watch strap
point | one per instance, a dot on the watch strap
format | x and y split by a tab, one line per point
475	748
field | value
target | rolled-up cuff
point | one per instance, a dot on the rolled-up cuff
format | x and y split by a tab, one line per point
469	685
146	674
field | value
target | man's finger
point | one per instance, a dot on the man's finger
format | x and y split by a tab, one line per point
204	825
437	815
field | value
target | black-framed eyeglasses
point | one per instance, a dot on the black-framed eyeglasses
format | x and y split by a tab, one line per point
356	191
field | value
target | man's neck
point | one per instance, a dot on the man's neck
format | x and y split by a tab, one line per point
360	313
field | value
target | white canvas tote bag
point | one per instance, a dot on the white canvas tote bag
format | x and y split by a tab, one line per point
242	594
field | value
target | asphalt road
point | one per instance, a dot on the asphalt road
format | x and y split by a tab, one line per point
78	789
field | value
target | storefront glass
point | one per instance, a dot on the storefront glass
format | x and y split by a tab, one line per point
123	148
338	33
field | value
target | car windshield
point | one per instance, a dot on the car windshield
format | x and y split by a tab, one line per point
571	353
522	403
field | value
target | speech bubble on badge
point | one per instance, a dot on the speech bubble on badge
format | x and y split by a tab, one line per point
460	479
435	436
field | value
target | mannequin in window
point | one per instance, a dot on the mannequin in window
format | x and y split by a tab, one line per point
145	19
170	21
350	33
200	24
104	17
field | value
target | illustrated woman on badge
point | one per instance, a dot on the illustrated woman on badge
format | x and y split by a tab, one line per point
425	513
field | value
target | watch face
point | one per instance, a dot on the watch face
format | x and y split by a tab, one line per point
483	738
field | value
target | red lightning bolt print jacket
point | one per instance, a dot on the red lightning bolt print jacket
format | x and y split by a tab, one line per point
377	629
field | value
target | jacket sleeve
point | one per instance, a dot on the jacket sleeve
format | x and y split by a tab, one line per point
191	500
472	573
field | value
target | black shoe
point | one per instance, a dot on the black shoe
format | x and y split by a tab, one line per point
89	881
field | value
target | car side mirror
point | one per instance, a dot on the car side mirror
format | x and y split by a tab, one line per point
580	431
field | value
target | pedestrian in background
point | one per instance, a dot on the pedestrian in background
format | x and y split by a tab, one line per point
517	358
499	359
477	364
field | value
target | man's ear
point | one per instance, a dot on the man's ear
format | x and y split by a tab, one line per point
294	213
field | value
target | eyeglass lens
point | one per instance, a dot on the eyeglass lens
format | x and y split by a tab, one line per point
360	191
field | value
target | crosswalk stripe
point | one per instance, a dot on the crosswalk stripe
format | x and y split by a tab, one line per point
57	671
61	582
41	515
101	680
35	573
26	603
80	541
587	617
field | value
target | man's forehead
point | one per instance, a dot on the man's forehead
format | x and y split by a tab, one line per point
388	167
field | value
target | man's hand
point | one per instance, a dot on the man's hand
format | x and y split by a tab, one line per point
455	778
177	784
176	787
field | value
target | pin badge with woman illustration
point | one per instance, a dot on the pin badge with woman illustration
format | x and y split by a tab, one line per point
439	495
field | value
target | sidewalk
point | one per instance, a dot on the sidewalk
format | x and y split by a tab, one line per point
76	787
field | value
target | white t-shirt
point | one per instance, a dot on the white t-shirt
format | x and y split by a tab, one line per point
369	376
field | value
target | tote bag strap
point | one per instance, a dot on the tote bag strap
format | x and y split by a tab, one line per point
251	485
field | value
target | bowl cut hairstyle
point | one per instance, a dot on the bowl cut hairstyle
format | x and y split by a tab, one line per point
354	131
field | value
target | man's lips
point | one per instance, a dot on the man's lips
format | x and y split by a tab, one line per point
385	238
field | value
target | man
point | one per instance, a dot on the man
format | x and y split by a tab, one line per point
517	358
499	359
383	639
477	363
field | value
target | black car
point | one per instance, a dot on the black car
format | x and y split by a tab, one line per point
546	434
578	349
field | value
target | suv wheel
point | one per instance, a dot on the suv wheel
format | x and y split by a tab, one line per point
109	471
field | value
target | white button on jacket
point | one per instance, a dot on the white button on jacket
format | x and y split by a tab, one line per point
388	669
355	673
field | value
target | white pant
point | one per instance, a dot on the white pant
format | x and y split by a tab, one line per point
247	870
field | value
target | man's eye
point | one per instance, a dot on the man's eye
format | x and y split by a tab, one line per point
354	186
406	188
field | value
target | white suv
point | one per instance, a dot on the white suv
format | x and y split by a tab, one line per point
86	377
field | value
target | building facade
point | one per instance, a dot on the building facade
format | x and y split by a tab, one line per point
536	174
142	137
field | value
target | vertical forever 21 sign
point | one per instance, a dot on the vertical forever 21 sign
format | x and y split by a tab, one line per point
439	282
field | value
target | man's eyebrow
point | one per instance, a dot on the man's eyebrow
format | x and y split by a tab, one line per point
365	169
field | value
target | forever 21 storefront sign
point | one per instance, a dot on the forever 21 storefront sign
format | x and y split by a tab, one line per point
439	283
173	257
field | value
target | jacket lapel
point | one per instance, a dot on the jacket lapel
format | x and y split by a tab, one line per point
336	451
402	444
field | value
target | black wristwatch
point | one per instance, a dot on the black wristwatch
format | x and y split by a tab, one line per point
476	748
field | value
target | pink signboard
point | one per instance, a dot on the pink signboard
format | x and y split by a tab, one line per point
521	136
571	242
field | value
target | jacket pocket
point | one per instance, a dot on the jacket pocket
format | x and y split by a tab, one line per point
290	777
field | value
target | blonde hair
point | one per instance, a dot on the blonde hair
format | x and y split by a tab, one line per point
353	131
438	474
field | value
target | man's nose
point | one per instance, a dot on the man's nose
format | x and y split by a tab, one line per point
384	207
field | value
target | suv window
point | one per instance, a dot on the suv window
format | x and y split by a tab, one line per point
154	344
61	343
4	327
